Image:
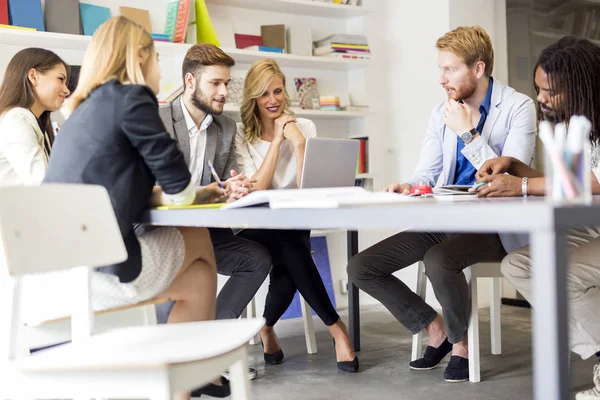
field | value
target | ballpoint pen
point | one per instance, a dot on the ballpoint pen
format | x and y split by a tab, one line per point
214	174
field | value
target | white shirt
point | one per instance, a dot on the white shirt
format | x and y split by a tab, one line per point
23	156
250	156
197	143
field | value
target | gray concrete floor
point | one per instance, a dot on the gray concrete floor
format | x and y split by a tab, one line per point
384	357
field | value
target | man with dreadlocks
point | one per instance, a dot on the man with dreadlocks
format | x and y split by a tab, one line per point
567	82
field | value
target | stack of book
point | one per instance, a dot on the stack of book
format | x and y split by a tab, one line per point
343	46
329	103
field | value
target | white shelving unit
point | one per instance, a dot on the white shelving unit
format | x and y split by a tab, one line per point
17	37
298	7
234	110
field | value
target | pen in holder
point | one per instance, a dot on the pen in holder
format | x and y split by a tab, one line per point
567	160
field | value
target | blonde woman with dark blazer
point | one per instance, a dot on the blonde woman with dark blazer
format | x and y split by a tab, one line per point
34	85
270	145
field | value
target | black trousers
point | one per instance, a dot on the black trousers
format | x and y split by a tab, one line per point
293	269
247	264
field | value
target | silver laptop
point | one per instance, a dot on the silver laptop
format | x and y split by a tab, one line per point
329	163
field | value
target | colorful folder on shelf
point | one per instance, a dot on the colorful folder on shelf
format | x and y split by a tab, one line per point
26	13
92	17
3	12
172	10
183	15
191	206
62	16
24	28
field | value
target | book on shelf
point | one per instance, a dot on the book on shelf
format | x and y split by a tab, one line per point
264	48
3	12
307	92
137	15
243	41
62	16
363	151
23	28
92	17
161	37
299	40
26	13
342	38
273	36
181	23
347	56
171	22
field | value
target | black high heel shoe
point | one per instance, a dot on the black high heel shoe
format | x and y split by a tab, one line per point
272	358
347	366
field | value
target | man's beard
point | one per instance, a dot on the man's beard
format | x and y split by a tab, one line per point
202	103
553	118
465	91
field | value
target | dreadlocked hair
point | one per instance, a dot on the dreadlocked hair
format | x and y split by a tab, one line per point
573	69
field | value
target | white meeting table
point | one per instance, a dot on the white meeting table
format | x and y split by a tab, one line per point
545	222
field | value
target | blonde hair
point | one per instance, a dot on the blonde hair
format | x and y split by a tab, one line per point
471	44
113	54
257	79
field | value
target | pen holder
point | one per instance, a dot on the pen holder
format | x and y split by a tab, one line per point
568	179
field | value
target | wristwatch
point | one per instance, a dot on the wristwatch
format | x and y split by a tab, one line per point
467	137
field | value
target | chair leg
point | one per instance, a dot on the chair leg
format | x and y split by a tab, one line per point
421	290
238	374
473	332
309	329
495	317
149	312
250	312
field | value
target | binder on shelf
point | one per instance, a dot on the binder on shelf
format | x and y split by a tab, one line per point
299	40
273	36
242	41
172	10
265	48
3	12
92	17
183	15
62	16
23	28
26	13
137	15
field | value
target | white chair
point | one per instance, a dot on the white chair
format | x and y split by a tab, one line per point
61	227
480	270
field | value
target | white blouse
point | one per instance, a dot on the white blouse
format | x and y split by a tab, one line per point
250	156
23	156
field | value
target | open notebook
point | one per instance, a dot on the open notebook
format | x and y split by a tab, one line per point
316	198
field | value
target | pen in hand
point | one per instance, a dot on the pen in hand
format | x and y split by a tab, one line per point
214	174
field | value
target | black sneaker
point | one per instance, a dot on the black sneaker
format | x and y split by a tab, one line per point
251	374
433	357
213	390
457	370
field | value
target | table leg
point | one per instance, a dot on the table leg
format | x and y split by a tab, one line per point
551	380
353	296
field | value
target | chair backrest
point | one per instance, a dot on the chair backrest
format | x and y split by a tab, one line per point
58	226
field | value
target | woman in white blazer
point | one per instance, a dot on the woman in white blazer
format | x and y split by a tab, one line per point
34	85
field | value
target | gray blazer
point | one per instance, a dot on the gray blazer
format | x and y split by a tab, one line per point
509	130
220	140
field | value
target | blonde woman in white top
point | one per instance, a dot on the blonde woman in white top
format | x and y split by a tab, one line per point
34	85
270	145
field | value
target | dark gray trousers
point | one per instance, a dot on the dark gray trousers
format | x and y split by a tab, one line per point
445	255
247	264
